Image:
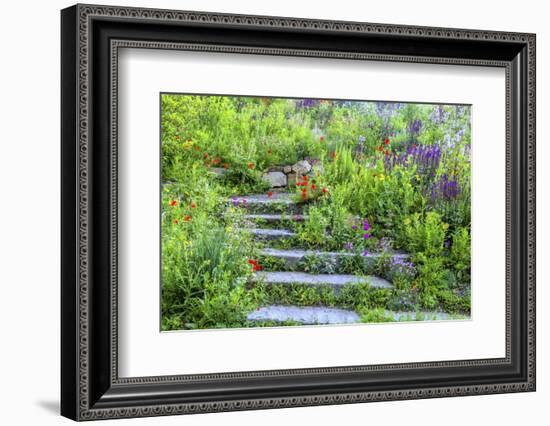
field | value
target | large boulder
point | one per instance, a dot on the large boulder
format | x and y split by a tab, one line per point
301	167
275	179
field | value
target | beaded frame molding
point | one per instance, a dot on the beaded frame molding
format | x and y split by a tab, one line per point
91	38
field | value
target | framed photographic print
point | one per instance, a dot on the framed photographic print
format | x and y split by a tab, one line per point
263	212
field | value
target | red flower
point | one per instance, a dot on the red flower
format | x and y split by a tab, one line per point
176	221
270	194
216	161
187	218
193	205
250	166
321	138
324	190
255	265
414	146
387	152
313	187
387	141
173	203
205	155
304	178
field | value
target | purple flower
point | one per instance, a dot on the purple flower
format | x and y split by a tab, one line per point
415	126
366	225
366	236
348	246
366	253
235	202
354	227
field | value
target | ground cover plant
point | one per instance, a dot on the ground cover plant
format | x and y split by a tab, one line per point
280	211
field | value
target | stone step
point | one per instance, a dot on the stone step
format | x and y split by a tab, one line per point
423	316
309	315
304	315
273	218
271	234
262	203
294	256
336	281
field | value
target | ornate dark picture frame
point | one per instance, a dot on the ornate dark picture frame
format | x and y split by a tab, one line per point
91	37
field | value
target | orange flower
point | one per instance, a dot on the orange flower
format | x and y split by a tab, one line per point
321	138
250	166
216	161
173	203
193	205
225	165
270	194
205	155
176	221
333	154
178	137
187	218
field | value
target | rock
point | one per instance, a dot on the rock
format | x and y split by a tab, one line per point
336	281
304	315
275	169
218	171
301	167
287	169
275	179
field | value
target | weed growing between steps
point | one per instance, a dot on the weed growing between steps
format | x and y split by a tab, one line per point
370	189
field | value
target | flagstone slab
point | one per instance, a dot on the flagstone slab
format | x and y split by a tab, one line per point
308	315
273	218
271	234
336	281
293	256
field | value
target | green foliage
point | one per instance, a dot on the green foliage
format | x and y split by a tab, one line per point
366	170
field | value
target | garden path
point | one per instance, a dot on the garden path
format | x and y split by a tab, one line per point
274	211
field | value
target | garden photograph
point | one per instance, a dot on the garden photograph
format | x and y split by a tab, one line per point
313	212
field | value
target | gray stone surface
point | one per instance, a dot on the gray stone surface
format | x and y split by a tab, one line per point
336	281
275	179
423	316
301	167
218	171
304	315
276	217
270	234
293	256
276	198
287	169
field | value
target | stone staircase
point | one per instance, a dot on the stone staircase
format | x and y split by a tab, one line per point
266	217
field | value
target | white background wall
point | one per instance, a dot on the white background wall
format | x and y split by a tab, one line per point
29	213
